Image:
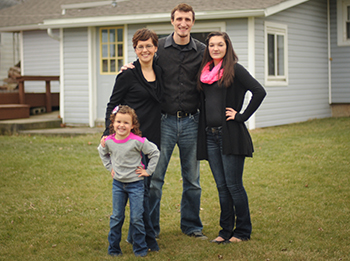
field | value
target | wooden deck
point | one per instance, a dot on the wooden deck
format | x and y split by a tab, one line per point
17	104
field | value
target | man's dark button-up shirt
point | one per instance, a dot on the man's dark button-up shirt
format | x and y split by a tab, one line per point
180	67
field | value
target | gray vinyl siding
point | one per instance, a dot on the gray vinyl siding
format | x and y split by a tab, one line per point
340	66
76	75
41	56
237	29
306	96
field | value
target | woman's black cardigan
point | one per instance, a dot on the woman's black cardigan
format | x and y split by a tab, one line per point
131	88
236	138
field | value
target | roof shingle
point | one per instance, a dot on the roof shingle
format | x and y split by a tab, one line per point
33	12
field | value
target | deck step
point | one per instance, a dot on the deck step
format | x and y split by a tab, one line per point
40	121
14	111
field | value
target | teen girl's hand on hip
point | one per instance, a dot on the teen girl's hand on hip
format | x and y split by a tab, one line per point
230	114
112	173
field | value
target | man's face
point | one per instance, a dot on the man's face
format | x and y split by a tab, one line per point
183	22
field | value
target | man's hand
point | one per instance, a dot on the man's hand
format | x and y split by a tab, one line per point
127	66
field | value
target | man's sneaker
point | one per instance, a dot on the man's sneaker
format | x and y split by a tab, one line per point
198	234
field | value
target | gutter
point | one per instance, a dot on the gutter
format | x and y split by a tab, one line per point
19	28
142	18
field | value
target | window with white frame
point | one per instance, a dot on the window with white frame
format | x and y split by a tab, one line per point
276	54
343	22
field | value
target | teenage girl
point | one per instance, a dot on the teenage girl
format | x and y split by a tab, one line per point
223	138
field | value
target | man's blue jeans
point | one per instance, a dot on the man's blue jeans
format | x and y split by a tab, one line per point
120	193
183	132
228	171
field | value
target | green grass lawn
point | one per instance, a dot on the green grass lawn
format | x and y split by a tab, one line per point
55	199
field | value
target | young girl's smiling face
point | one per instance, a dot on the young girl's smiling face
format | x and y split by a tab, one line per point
122	125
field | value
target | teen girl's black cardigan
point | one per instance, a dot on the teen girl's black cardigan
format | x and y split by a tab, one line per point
236	138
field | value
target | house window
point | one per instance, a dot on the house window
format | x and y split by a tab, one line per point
111	49
276	71
343	22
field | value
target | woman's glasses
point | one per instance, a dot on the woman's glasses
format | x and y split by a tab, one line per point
141	47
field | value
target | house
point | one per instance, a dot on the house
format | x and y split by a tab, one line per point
298	49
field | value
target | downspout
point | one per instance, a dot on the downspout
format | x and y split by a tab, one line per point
251	62
329	54
21	53
92	75
58	38
61	78
52	35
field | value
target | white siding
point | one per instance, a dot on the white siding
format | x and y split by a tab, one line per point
76	75
306	96
41	56
340	63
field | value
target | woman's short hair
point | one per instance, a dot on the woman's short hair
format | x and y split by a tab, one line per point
143	35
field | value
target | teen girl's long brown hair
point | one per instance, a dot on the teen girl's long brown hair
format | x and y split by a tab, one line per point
125	109
228	62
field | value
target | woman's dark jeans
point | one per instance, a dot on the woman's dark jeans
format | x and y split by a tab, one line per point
228	171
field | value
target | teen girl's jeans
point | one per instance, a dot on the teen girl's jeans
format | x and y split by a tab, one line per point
228	171
183	132
120	193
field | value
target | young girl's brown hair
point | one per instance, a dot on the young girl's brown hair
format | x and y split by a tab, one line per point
125	109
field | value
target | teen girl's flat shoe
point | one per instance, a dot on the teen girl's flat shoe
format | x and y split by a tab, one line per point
235	240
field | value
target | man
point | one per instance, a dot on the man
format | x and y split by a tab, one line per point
179	56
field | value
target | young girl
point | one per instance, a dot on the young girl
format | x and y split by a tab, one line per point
223	138
121	156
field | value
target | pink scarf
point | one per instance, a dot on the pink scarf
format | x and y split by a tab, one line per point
211	76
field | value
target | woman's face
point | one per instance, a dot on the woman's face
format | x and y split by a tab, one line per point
217	48
145	50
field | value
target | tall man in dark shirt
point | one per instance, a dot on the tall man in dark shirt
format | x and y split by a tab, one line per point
179	56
